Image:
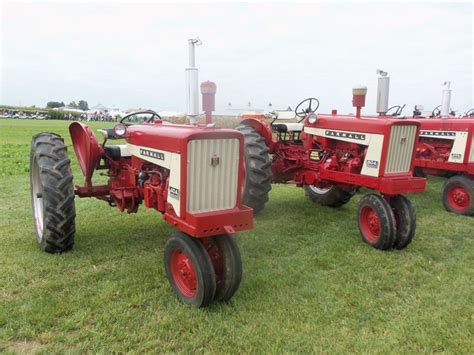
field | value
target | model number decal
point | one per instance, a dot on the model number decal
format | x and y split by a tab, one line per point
351	135
372	164
152	154
174	193
456	156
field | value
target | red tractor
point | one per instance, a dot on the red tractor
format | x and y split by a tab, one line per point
331	156
193	175
445	148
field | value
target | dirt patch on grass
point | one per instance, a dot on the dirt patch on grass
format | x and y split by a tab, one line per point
22	347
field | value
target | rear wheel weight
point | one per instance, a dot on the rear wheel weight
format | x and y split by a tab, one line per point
258	174
189	270
376	222
331	196
405	219
458	195
52	193
225	257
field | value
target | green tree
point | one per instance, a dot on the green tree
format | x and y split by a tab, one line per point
83	105
73	104
54	104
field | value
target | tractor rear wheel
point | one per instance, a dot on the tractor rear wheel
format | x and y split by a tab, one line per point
331	196
189	270
258	174
52	193
405	219
458	195
376	222
225	256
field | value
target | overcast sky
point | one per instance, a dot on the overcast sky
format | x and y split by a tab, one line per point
133	55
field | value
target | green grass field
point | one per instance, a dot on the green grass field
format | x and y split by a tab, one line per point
310	284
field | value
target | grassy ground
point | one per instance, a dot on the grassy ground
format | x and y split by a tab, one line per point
309	283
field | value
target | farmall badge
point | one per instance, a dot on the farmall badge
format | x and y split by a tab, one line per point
215	160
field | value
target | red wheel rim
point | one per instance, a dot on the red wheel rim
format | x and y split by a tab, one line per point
183	272
458	198
370	224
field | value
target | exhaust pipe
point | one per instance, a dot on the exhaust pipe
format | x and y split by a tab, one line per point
446	99
383	86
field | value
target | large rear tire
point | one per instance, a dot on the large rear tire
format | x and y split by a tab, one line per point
258	174
331	196
52	193
458	195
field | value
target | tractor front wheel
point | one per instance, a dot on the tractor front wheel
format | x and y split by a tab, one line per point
458	195
331	196
225	257
377	223
52	193
258	174
405	219
189	270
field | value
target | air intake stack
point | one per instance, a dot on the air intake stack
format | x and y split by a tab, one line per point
446	100
192	85
383	86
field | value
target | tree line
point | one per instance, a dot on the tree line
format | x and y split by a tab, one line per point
81	105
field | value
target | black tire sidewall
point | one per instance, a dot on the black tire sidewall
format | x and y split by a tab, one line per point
405	213
232	267
205	276
386	217
468	184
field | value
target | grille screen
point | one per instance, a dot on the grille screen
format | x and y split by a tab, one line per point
213	168
400	149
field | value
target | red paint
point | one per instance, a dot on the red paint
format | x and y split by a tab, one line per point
458	198
183	273
370	224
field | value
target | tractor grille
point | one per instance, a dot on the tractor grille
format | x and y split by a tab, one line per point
213	168
471	154
400	149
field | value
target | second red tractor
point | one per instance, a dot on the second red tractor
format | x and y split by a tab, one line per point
331	156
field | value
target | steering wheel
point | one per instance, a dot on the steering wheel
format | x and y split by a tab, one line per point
151	112
313	105
436	111
398	110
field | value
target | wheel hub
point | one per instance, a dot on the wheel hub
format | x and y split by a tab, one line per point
458	197
370	223
183	273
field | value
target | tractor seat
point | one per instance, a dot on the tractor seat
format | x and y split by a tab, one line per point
117	151
286	121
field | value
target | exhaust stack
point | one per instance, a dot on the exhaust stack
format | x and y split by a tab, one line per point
446	100
383	86
192	85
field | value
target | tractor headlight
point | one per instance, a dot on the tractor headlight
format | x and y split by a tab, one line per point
312	118
120	130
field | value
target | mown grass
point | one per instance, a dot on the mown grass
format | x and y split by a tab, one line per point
310	284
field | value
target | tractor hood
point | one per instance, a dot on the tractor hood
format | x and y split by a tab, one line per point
173	137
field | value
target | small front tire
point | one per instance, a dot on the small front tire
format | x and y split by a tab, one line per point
189	270
376	222
458	195
405	218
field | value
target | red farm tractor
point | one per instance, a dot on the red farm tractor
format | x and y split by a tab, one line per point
331	156
445	148
193	175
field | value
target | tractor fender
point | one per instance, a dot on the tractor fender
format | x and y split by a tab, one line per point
262	127
88	150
